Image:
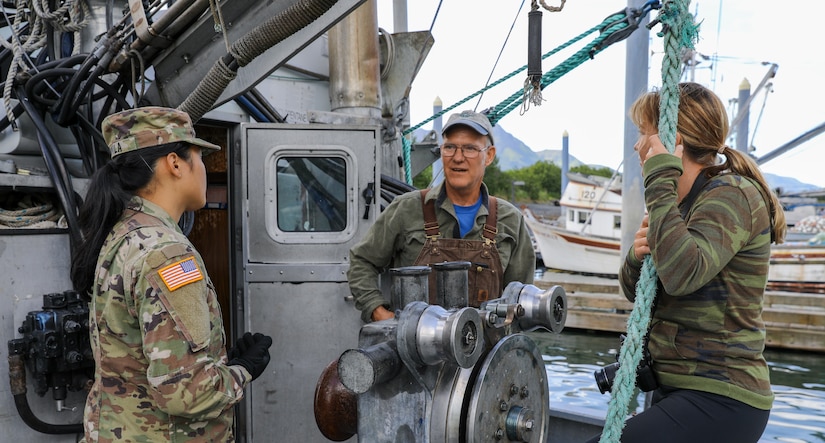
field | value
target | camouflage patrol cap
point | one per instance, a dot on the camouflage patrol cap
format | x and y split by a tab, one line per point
139	128
475	120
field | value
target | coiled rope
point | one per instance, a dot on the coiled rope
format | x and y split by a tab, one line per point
679	31
37	18
30	212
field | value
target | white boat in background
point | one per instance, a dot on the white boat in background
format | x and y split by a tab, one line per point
586	238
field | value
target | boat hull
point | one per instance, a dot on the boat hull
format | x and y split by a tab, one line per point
793	267
569	251
798	268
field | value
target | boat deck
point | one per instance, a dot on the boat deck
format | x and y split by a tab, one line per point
793	320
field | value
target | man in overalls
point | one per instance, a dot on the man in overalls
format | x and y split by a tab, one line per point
454	221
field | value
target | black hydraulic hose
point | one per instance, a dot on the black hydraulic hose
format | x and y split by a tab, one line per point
109	90
121	89
43	80
98	141
395	184
91	80
259	107
265	106
57	169
87	126
391	188
16	111
54	161
17	380
54	68
83	146
388	196
35	87
51	48
64	62
66	100
25	412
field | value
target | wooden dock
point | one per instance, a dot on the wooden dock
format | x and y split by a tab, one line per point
793	320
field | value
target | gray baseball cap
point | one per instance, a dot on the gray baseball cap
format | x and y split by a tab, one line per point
475	120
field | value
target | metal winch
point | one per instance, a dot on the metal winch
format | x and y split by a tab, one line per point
444	372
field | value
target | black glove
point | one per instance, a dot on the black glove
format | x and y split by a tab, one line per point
240	346
251	352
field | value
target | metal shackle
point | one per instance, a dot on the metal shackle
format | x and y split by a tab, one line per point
545	309
429	334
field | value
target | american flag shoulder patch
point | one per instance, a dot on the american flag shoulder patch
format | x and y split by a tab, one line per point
181	273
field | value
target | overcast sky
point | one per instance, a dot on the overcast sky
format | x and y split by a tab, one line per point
588	102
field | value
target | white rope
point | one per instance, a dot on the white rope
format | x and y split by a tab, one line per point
70	16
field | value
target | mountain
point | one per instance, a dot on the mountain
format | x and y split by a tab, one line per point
788	185
512	153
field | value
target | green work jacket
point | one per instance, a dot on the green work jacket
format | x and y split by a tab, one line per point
396	239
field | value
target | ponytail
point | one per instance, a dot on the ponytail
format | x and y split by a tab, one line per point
703	125
741	164
110	190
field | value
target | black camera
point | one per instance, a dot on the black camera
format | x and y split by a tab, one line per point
645	378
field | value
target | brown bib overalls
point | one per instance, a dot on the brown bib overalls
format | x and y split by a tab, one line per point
485	274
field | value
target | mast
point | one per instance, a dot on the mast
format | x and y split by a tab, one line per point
743	117
636	67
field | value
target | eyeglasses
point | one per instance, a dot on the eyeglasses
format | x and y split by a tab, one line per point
469	151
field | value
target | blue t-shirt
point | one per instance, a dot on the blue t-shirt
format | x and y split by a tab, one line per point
466	216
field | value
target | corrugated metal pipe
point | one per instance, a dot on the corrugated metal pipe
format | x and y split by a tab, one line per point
243	51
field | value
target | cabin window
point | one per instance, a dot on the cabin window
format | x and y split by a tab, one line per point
617	222
311	194
583	216
571	216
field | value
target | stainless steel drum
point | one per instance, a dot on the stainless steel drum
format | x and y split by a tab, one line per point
509	398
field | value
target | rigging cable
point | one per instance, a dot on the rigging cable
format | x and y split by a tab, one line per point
768	90
679	31
613	29
406	145
501	51
487	83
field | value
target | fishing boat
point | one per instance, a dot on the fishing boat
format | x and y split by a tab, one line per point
586	238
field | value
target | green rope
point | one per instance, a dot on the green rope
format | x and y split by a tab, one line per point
679	32
610	25
506	77
407	151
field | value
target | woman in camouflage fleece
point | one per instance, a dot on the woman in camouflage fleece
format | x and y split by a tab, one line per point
711	220
162	371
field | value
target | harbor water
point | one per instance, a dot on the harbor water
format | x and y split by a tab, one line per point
798	380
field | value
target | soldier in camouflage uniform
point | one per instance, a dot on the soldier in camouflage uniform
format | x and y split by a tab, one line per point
162	370
711	220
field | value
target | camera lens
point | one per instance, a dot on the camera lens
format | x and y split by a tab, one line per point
604	377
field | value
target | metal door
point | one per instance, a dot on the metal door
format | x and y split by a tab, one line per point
303	211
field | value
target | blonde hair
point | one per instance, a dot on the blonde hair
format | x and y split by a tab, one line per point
703	126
